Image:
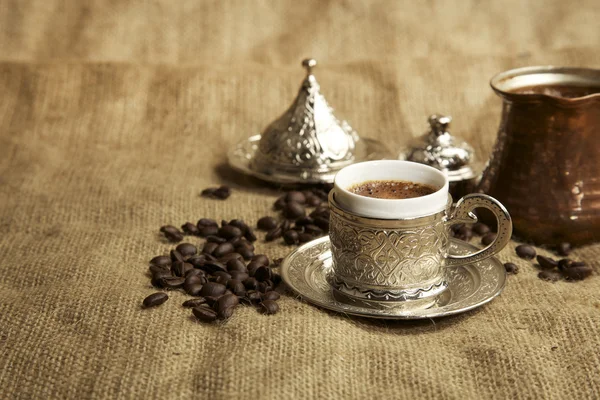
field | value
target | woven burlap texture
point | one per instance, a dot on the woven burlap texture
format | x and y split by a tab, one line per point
114	115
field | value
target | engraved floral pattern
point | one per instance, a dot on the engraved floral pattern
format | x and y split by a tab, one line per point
387	258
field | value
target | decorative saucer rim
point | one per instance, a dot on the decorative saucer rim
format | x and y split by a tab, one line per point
297	268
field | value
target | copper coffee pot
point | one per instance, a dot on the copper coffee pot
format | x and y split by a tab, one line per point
545	167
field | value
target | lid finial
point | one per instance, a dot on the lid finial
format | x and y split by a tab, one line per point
309	64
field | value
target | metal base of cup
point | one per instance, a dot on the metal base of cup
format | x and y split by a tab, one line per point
384	295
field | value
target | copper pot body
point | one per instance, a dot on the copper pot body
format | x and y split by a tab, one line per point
545	167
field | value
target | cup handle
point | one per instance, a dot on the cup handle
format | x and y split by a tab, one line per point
463	213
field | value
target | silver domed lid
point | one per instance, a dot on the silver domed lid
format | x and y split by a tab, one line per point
439	149
307	138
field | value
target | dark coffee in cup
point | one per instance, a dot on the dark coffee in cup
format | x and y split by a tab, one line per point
394	189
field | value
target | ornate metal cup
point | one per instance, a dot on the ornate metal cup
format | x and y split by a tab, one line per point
396	259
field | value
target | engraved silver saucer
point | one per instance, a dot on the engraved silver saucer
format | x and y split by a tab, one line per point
241	156
307	272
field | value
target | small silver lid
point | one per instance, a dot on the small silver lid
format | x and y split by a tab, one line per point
439	149
307	138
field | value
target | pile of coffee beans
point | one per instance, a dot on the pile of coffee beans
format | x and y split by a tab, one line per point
551	270
221	192
222	274
554	270
466	231
297	227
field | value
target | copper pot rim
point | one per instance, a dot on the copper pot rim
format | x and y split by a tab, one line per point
549	75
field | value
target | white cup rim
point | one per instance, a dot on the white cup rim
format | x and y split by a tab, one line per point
392	208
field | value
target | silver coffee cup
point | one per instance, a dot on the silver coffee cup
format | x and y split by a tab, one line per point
397	249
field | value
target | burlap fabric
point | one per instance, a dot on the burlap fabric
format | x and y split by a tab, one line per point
114	115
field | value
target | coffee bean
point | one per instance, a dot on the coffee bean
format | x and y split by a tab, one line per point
279	203
194	302
525	251
577	273
546	262
186	249
211	300
223	249
169	228
291	237
253	295
263	287
488	238
196	272
511	268
305	237
174	237
273	234
263	273
160	261
481	229
276	278
549	275
228	300
225	313
206	222
173	283
293	210
313	201
194	290
250	283
231	256
176	256
213	266
197	261
209	247
566	263
156	269
222	192
221	273
464	233
313	229
204	314
192	280
190	228
212	289
237	287
249	234
304	221
295	196
180	268
246	253
239	275
322	223
236	265
155	299
563	249
206	231
271	295
266	223
261	259
238	223
208	192
162	274
229	232
215	239
269	307
158	279
320	212
253	266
